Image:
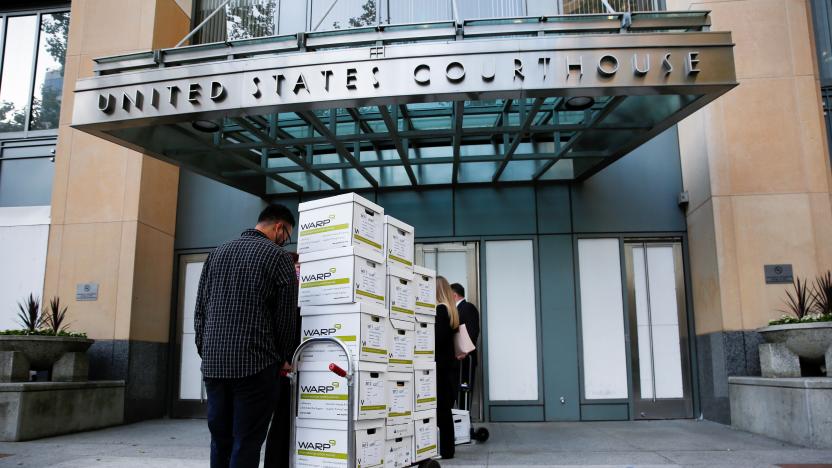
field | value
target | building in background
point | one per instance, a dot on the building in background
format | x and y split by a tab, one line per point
549	210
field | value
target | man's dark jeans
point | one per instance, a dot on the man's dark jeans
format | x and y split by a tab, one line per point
239	411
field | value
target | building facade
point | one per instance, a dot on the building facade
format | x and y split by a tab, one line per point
616	251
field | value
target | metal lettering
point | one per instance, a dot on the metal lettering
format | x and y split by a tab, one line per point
579	65
327	74
106	103
455	72
194	92
518	69
154	98
641	71
300	84
217	91
489	70
173	93
692	62
351	78
256	91
668	67
127	101
422	74
608	65
544	63
278	82
375	78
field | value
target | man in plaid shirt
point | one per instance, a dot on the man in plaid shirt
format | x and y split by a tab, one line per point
245	319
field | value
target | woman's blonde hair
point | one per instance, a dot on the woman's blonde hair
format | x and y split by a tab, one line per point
445	296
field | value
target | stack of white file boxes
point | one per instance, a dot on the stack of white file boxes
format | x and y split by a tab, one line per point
357	284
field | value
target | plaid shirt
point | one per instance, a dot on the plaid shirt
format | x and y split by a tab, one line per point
246	307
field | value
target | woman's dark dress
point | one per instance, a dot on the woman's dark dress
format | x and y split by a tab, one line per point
447	377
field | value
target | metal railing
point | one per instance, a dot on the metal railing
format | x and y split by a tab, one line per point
226	20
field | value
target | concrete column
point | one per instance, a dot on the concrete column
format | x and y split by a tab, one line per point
114	212
756	165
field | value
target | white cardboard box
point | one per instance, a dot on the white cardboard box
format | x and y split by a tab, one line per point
425	341
401	341
399	445
399	243
398	452
425	290
401	294
361	327
399	398
462	426
323	443
342	276
425	440
340	221
424	386
323	394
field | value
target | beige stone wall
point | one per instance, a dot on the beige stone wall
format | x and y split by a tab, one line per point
113	210
756	165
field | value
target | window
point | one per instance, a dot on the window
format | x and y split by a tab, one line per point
32	63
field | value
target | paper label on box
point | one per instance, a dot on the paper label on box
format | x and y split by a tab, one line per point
399	399
368	228
372	395
328	227
402	298
401	351
425	341
399	246
398	452
424	383
426	293
374	336
370	452
424	439
369	280
327	281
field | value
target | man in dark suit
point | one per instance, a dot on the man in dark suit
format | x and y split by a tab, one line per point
470	316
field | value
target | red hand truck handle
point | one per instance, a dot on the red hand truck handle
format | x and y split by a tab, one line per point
337	370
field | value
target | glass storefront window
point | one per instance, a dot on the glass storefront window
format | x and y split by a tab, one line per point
21	32
49	76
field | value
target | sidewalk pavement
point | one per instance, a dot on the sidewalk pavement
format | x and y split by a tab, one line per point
179	443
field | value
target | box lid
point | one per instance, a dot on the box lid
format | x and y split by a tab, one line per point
424	365
400	272
420	270
352	308
339	200
417	415
399	376
395	431
421	318
334	424
357	250
399	224
402	325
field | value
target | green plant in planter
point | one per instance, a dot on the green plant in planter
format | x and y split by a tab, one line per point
40	323
29	316
809	303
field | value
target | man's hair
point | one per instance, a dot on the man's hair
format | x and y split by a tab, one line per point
275	213
458	289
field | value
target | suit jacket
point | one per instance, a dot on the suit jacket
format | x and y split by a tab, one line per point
470	316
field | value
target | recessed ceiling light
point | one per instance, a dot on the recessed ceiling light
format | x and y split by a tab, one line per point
579	102
206	126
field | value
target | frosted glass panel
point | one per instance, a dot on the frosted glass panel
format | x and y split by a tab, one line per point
512	328
23	254
454	267
664	319
190	377
602	319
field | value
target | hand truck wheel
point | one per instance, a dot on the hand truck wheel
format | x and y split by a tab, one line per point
429	463
480	435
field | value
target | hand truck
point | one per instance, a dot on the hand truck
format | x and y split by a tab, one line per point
347	374
465	397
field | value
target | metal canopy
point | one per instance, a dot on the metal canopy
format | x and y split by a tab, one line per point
485	102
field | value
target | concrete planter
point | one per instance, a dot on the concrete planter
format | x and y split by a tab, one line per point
43	351
807	340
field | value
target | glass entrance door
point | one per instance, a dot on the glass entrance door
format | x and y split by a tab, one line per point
188	391
458	262
658	330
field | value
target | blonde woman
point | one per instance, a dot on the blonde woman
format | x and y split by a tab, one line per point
447	365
